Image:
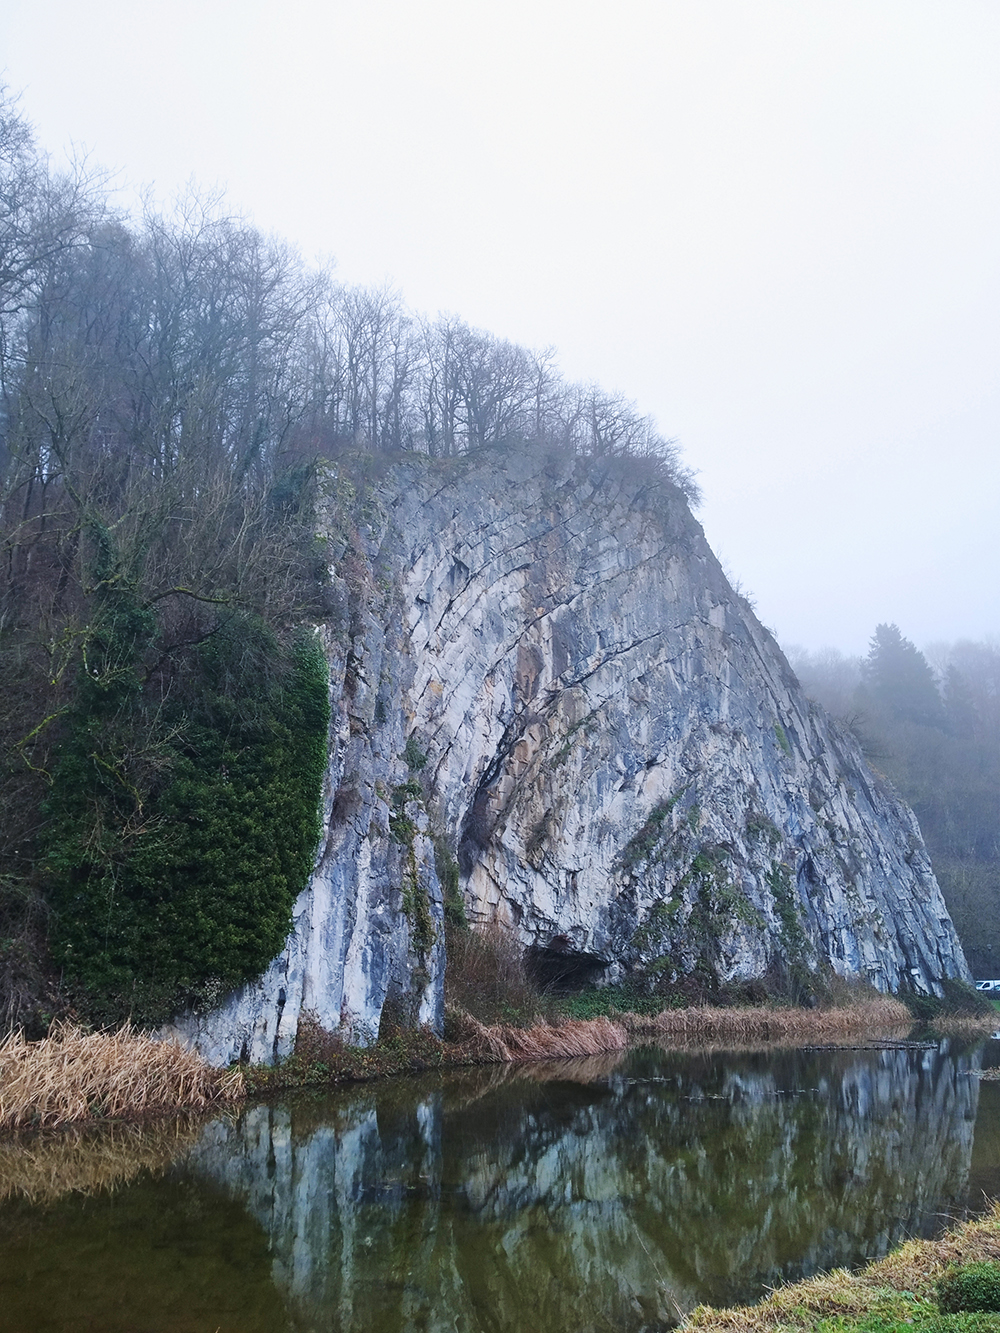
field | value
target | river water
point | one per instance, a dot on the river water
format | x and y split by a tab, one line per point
611	1193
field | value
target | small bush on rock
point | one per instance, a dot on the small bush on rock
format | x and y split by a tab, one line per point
960	1000
970	1287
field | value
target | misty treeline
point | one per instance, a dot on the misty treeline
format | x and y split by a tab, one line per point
168	383
931	722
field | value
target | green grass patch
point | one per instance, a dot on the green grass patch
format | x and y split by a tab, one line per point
912	1317
607	1001
927	1285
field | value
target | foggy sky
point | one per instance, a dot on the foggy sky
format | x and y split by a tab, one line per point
773	223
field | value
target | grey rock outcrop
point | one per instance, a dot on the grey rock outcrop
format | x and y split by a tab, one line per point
541	662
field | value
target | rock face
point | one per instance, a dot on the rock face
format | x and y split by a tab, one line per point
541	663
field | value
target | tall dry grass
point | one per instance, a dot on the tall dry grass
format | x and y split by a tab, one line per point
487	976
495	1008
89	1159
761	1023
504	1043
73	1076
966	1025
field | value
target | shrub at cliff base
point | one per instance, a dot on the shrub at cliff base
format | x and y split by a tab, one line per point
972	1287
959	1001
75	1076
487	978
180	830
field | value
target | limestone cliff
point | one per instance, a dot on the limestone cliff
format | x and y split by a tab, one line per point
541	664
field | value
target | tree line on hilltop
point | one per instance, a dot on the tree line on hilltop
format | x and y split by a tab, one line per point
167	383
933	727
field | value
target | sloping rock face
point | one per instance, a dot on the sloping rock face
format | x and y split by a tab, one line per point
542	664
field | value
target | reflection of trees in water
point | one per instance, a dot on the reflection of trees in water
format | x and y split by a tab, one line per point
496	1201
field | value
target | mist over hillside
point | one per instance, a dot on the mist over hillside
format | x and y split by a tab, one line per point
931	722
170	385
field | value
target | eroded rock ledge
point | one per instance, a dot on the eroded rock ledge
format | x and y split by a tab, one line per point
541	669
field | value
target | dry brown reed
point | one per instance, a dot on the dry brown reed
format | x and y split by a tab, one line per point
761	1023
584	1069
502	1043
321	1057
966	1025
73	1075
487	976
914	1268
87	1159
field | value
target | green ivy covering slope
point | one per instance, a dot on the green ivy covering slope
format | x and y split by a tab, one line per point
179	832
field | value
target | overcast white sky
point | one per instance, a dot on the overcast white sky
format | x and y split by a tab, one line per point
773	223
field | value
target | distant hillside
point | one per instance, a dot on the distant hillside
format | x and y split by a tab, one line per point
935	731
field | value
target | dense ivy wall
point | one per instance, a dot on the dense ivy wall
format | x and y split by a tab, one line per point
180	831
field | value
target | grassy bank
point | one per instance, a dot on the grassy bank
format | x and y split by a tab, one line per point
769	1023
899	1294
322	1058
73	1076
496	1013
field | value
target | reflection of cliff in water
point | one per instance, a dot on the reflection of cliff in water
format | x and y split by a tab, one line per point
491	1201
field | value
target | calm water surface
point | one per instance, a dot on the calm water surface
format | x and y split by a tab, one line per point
610	1193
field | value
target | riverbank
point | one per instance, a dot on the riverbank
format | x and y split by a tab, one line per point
893	1295
616	1191
73	1077
321	1058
